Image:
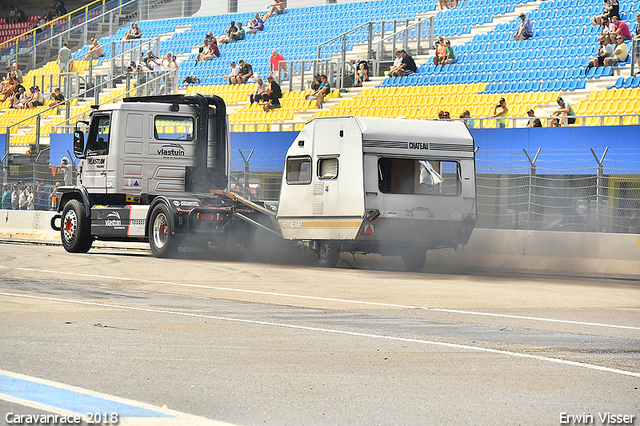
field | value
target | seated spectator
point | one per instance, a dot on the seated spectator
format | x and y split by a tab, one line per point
501	110
59	8
256	24
407	67
446	115
607	27
57	97
226	38
537	123
619	29
441	50
272	101
95	51
605	51
238	35
133	33
448	4
235	71
322	92
38	22
9	86
396	64
211	51
525	30
620	54
273	84
440	115
261	90
636	39
277	8
609	9
532	118
17	72
277	61
246	71
315	84
20	16
362	74
18	98
465	116
449	57
35	100
564	110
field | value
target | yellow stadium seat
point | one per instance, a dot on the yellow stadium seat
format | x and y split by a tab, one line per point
630	120
608	95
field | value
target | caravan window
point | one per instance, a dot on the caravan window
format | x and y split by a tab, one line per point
328	168
298	170
414	176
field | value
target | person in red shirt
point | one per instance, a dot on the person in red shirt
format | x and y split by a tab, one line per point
620	29
276	62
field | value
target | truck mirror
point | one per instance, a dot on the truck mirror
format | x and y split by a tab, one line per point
78	143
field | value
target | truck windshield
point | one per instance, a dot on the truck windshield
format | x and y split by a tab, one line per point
418	176
98	143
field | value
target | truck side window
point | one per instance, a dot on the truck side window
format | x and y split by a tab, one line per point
328	168
98	142
298	170
173	128
414	176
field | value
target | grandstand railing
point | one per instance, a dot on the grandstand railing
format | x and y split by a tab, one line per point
635	51
412	36
55	31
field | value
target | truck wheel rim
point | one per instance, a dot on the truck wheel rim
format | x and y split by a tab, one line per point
70	226
160	231
324	252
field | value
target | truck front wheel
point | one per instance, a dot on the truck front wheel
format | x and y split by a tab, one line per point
75	229
161	238
328	253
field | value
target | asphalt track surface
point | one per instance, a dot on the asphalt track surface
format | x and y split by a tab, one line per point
282	342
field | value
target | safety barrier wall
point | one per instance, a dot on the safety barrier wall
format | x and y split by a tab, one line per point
28	226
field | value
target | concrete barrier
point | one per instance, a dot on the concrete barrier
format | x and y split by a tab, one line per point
561	253
28	226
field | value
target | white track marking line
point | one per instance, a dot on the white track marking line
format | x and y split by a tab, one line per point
343	332
328	299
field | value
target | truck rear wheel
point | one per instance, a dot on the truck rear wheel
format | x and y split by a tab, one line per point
328	253
75	228
414	260
161	238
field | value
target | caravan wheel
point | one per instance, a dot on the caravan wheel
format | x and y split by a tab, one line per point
328	253
414	260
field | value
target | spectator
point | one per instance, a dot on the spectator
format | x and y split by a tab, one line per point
466	118
501	111
275	87
95	51
9	86
322	92
211	51
235	71
37	23
446	115
53	197
620	54
277	61
66	169
532	118
609	9
448	4
17	72
441	50
150	61
272	101
246	71
607	27
22	196
315	84
36	99
407	67
57	97
636	40
440	115
564	110
12	16
619	28
396	64
133	33
605	51
277	8
226	38
60	9
18	98
30	196
525	30
15	197
537	123
6	197
362	74
261	89
449	57
238	35
20	16
256	24
42	197
64	57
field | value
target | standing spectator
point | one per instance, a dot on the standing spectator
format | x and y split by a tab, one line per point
525	30
235	71
619	28
238	35
605	51
60	9
277	61
272	101
95	51
20	16
17	72
362	74
261	89
133	33
58	97
407	67
53	198
636	40
30	203
42	197
22	196
449	57
150	61
6	197
15	198
501	110
11	19
564	110
66	169
277	8
532	117
620	54
256	24
246	71
64	57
